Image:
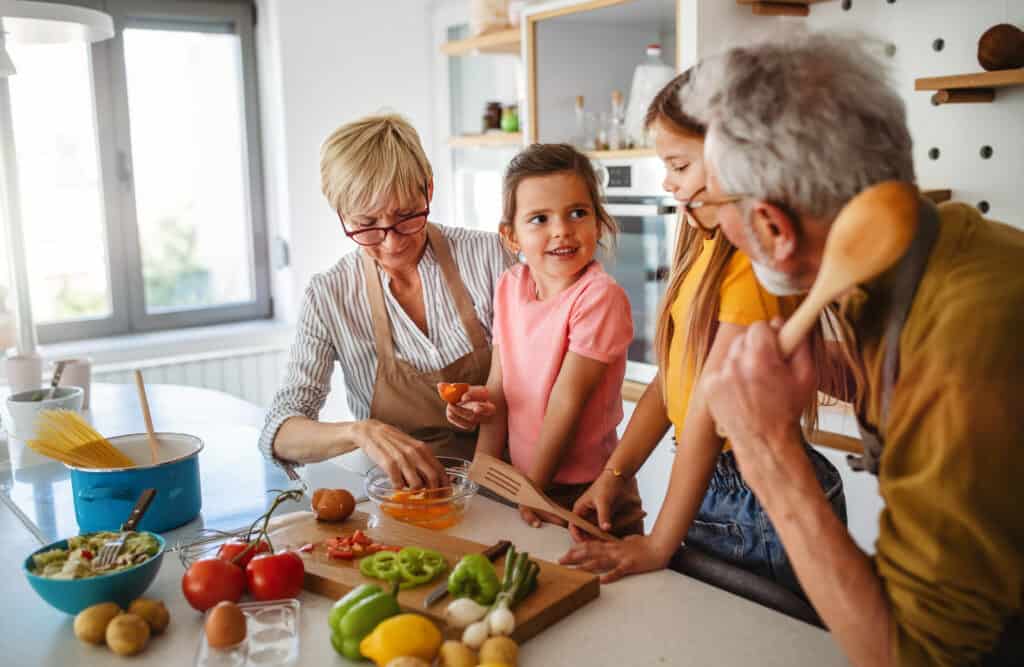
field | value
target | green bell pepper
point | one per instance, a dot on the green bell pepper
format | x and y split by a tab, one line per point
356	615
474	577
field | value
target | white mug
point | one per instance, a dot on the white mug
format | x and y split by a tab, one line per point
77	373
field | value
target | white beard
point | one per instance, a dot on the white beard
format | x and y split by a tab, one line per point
775	282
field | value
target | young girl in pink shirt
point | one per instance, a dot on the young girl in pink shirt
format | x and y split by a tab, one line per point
561	329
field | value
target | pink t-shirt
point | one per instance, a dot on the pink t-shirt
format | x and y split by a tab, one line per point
591	318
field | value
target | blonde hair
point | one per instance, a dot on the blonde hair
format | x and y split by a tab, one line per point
702	319
363	164
545	159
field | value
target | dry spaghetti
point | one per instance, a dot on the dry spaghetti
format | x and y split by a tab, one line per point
63	435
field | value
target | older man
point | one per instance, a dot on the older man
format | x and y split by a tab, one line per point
796	128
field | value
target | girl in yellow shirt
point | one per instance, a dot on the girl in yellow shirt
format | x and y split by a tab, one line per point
711	297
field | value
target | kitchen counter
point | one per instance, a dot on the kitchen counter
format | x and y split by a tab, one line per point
660	618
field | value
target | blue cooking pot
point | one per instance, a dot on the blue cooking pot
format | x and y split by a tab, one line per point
104	498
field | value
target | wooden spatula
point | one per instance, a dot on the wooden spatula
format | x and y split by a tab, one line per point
154	444
508	482
868	237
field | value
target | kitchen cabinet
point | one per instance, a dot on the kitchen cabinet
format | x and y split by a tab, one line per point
590	49
474	71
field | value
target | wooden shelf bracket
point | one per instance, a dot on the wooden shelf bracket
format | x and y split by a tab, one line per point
779	7
969	88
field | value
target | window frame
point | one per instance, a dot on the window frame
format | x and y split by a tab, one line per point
113	134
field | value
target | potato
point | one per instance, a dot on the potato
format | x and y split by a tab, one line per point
457	654
501	650
127	634
152	612
91	622
407	661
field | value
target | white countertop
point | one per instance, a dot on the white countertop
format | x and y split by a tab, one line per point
660	618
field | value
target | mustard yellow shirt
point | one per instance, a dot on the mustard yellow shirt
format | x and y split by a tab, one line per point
950	549
742	301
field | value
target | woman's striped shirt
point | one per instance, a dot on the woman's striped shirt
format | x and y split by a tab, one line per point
335	325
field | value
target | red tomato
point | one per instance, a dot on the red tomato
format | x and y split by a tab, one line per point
275	576
212	580
231	550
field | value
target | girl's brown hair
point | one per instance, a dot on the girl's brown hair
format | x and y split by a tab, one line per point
702	320
545	159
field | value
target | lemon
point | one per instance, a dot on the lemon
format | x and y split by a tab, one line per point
399	636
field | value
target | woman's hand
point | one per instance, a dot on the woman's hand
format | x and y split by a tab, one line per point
600	500
473	409
407	461
537	518
633	555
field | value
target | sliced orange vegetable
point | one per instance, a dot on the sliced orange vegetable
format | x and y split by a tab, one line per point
452	391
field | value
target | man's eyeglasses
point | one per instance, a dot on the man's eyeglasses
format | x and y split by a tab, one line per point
406	225
702	210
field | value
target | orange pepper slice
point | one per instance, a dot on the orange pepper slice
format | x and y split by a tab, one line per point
452	391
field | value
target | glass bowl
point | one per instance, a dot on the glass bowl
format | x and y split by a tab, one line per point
436	509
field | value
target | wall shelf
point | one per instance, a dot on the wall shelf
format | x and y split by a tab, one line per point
620	154
780	7
969	88
504	41
489	140
938	196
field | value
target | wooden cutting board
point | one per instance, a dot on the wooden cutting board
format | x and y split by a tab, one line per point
560	590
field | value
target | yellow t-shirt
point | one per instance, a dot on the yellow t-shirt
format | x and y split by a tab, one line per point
743	301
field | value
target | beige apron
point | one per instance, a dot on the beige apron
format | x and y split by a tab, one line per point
406	397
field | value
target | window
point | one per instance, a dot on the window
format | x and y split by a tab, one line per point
139	172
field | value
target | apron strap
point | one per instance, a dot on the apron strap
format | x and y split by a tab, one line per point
378	311
457	288
908	273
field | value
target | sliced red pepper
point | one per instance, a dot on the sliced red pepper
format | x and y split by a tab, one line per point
86	554
359	537
343	554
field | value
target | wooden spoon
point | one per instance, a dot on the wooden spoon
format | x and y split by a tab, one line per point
870	235
154	444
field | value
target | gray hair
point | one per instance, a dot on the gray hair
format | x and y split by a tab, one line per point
804	119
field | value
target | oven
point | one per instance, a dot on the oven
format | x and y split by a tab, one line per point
647	220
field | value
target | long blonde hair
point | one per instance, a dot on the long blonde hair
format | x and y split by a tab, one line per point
702	320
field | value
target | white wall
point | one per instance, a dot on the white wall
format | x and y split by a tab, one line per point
911	26
323	63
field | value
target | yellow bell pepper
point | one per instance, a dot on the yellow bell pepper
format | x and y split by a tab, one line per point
402	635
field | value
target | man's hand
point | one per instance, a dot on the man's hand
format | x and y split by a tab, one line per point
756	398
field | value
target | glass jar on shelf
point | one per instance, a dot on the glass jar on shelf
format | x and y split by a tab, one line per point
510	118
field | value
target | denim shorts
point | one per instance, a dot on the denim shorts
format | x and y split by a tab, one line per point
732	525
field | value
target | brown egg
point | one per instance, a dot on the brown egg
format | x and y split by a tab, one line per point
333	504
225	625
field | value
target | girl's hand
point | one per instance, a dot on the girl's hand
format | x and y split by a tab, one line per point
606	493
473	409
537	518
407	461
633	555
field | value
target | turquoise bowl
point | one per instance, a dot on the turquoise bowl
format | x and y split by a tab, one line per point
73	595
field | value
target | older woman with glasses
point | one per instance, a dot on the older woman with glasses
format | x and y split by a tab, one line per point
407	309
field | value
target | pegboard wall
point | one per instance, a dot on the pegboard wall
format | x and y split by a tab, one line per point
975	150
